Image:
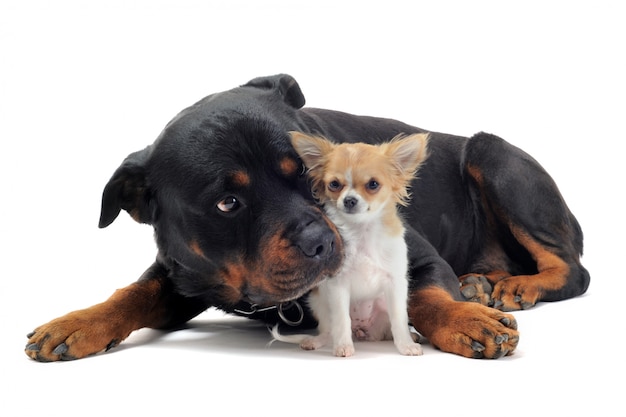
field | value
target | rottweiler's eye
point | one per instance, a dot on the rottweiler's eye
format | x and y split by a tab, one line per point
372	185
228	205
334	186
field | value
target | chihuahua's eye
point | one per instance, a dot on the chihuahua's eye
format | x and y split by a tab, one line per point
334	185
228	205
372	185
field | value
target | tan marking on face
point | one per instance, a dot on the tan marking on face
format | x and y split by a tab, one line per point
234	275
288	166
277	274
240	178
280	272
194	246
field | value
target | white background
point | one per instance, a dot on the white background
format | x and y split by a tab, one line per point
85	83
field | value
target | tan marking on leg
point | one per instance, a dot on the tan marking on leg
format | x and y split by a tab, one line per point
85	332
524	291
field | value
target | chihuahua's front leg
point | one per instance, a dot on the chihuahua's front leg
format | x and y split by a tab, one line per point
338	296
397	299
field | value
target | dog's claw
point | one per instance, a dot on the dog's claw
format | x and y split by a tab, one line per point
469	292
33	347
478	355
61	349
112	344
500	353
477	346
31	334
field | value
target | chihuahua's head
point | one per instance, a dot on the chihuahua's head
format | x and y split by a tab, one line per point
358	179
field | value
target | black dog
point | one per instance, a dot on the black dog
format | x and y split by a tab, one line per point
237	228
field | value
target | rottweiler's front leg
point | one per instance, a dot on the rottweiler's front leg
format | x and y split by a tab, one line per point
468	329
148	302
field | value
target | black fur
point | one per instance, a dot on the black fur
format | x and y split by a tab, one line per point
175	184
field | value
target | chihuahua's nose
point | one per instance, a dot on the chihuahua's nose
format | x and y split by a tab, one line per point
350	202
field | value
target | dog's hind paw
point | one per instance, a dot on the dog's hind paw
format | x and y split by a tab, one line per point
476	288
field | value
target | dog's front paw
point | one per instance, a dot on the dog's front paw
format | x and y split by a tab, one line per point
468	329
344	350
473	330
73	336
410	349
313	342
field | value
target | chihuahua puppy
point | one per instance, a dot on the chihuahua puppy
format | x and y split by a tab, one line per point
360	186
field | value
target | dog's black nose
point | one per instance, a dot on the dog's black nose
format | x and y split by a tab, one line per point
350	202
316	240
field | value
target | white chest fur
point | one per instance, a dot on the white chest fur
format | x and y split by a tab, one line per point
372	259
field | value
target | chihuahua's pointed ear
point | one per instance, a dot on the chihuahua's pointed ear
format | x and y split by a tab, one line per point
408	152
128	189
311	149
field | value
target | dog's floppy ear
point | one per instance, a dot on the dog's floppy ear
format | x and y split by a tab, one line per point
128	189
284	84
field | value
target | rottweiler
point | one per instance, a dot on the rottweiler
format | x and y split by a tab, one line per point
238	229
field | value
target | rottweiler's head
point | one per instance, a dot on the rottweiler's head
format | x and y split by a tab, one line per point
225	192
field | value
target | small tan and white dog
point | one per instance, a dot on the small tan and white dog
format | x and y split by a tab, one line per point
360	186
